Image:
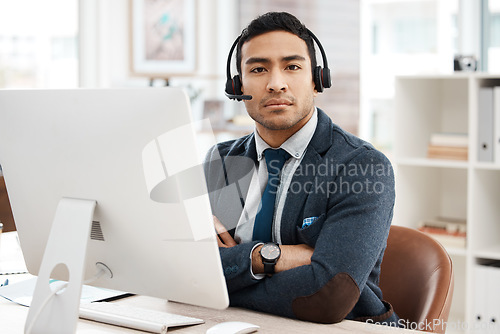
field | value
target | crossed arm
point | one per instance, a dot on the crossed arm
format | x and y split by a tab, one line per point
292	256
321	284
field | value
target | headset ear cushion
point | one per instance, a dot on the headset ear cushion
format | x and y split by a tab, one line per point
237	85
326	78
229	87
317	79
233	86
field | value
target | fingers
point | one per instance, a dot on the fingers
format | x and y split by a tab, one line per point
219	242
224	238
218	226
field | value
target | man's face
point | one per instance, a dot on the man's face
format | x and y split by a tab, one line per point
276	71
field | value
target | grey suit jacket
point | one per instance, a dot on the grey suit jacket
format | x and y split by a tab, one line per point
346	187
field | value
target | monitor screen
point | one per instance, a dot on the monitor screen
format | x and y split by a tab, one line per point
134	152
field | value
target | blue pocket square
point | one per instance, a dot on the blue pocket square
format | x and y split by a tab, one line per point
308	221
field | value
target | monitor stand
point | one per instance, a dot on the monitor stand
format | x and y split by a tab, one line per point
66	246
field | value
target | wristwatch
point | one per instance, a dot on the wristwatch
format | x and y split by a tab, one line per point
270	253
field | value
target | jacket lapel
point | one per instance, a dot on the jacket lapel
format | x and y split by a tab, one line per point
238	168
321	141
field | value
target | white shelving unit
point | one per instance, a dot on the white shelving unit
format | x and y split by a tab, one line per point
427	188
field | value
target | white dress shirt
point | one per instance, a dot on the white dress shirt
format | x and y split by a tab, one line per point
296	146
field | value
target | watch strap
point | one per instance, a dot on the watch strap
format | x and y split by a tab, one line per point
269	267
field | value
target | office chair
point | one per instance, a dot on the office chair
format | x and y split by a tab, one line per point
417	279
5	210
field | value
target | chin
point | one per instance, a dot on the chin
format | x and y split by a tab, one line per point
277	125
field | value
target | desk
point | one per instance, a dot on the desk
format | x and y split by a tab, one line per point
13	318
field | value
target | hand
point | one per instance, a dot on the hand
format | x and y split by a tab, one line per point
224	239
292	256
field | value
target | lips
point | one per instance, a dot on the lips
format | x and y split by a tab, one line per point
278	103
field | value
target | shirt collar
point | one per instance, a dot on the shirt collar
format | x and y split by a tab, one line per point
295	145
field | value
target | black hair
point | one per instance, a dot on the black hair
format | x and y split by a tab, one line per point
276	21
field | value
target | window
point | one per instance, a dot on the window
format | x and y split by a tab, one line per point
400	38
492	36
38	44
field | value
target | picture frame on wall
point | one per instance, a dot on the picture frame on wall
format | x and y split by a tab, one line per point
163	37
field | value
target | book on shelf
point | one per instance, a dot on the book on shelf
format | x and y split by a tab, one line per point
447	152
449	139
486	294
489	124
445	145
450	232
485	124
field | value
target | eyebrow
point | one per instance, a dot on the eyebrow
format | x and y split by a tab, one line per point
254	60
294	57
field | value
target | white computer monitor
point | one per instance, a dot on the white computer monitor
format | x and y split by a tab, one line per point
133	152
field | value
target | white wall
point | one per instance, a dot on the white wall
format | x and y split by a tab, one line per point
105	49
105	44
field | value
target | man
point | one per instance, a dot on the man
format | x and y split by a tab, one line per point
317	256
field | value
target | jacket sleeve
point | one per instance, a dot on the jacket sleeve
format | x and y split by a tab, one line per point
236	264
225	199
355	226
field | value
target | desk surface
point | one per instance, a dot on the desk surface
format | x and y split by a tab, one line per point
14	316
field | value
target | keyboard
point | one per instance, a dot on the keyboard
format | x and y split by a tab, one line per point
134	317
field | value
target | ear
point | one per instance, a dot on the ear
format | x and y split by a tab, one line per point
315	91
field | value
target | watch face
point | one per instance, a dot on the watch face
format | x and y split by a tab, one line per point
270	252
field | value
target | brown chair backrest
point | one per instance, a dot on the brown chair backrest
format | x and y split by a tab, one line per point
417	279
5	211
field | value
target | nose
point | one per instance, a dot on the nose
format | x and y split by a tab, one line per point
277	82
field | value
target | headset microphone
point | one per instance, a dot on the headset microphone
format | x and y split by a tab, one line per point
239	97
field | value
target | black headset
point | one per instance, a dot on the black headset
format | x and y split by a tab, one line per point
322	77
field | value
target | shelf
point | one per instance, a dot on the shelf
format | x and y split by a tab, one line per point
492	252
454	75
424	162
456	324
430	104
456	251
487	166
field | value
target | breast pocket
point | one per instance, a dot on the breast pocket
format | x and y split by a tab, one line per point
309	231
